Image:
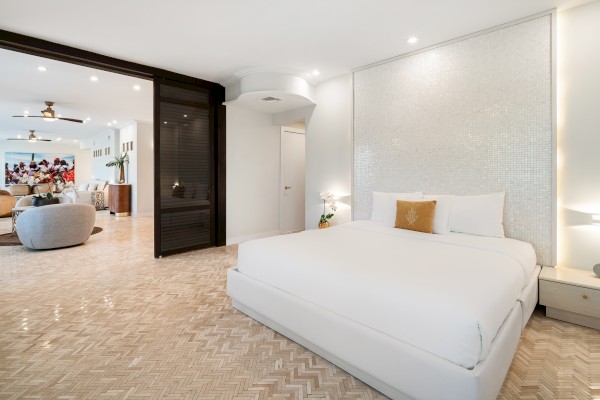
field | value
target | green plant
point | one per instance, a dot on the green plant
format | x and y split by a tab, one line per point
119	161
327	197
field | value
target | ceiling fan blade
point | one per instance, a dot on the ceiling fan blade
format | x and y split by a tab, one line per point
28	116
15	139
72	120
44	140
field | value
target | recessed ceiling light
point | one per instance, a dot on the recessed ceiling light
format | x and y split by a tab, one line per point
184	115
412	40
39	137
94	78
114	122
42	68
165	122
88	119
75	140
316	72
109	124
18	136
59	116
26	112
137	87
58	139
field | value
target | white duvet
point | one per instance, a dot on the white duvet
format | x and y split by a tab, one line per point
445	294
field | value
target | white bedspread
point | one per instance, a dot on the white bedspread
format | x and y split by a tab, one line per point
446	294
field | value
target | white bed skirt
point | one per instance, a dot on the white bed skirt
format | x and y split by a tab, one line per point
395	368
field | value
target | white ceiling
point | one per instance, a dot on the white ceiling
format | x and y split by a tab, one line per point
214	40
23	87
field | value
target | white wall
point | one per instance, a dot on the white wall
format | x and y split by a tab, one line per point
139	172
329	149
578	135
108	139
83	159
145	170
253	148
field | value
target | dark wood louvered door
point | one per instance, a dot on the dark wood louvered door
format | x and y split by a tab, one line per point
185	208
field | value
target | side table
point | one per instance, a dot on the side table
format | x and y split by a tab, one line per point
571	295
15	214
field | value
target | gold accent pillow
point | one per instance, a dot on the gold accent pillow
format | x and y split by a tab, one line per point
415	215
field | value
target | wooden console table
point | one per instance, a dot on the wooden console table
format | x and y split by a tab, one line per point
119	199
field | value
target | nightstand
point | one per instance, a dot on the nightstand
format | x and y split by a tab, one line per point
571	295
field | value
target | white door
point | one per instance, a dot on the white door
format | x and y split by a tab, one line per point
292	179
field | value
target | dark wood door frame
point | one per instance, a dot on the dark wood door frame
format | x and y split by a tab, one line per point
43	48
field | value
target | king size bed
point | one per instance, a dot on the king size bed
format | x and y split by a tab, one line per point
414	315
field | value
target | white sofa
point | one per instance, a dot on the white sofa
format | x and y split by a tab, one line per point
55	226
95	192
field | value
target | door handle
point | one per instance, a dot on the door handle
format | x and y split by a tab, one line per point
287	187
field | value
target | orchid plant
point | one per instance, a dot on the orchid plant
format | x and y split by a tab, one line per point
328	202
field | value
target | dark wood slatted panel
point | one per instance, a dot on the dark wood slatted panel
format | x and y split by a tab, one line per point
185	170
185	230
178	93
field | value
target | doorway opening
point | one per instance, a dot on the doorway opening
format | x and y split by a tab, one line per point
214	95
292	193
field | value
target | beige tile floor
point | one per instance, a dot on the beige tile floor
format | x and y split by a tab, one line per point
105	320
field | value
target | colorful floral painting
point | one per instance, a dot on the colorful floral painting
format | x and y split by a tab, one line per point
34	168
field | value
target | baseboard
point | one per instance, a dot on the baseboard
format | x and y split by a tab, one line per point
241	239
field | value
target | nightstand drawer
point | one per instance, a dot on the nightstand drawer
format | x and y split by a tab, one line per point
572	298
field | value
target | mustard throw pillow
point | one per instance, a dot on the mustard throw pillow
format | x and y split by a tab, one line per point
415	215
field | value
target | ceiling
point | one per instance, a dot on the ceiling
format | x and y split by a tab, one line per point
24	88
217	41
213	40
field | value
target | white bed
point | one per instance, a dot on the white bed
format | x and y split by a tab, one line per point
414	315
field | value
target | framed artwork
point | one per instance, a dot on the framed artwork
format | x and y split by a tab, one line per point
43	167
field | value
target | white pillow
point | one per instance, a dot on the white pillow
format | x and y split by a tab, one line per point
443	208
101	185
92	187
83	187
478	215
380	201
384	205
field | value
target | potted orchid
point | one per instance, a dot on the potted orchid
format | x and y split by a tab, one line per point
328	202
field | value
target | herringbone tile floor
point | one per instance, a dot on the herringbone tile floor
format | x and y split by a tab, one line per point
107	321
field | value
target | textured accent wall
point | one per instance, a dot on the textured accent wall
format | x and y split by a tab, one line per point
470	117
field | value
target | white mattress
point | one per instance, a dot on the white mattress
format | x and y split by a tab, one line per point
445	294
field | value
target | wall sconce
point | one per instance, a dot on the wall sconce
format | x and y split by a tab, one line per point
596	219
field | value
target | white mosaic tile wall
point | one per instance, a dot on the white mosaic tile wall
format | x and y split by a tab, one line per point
470	117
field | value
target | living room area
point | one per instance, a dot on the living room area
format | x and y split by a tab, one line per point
74	135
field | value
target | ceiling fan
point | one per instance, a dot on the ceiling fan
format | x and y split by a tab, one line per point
32	138
49	115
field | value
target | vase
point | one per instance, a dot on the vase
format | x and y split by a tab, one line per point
42	201
323	224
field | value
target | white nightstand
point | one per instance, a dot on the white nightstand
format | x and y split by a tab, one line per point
571	295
